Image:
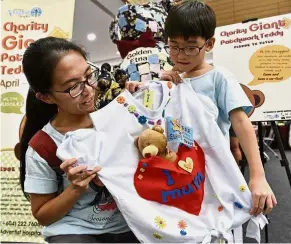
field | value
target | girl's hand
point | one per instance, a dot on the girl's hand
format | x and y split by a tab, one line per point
79	176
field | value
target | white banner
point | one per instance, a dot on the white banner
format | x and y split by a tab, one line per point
259	54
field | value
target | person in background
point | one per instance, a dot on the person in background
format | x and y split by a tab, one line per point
60	98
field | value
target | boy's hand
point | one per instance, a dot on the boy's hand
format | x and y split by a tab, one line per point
133	86
263	197
172	75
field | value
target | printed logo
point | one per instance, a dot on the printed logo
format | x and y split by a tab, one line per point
103	211
36	12
24	13
108	205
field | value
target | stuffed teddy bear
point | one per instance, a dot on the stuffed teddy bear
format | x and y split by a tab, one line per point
121	77
153	142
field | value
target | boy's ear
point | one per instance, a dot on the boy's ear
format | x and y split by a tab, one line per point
46	98
210	44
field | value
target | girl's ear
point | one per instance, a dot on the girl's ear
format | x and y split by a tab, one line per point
46	98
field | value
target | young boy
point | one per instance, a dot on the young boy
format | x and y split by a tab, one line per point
190	28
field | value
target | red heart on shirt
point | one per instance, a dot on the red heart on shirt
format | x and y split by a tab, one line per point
179	184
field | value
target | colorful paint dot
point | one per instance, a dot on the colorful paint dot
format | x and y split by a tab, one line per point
142	169
238	205
140	177
151	122
121	99
170	85
160	222
142	119
131	109
183	232
242	188
220	208
182	224
157	236
145	165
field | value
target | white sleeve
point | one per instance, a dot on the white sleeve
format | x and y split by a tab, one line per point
230	94
105	118
40	178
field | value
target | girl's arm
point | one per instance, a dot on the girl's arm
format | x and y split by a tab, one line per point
49	208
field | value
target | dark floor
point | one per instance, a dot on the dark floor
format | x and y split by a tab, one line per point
280	226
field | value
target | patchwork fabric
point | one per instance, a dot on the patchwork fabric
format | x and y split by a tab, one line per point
145	63
133	20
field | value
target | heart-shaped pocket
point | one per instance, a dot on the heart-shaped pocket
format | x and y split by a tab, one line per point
179	184
188	165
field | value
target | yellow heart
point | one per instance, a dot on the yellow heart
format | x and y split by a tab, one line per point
187	166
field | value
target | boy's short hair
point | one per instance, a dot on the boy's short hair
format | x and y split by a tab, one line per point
191	18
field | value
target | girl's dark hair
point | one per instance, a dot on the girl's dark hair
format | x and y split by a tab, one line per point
39	62
191	18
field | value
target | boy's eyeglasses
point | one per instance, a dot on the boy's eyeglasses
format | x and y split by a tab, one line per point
79	87
189	51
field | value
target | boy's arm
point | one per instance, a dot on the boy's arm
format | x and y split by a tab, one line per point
262	194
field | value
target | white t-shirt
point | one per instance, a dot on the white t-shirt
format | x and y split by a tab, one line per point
161	201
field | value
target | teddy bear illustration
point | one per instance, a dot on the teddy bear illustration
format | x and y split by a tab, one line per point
256	97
